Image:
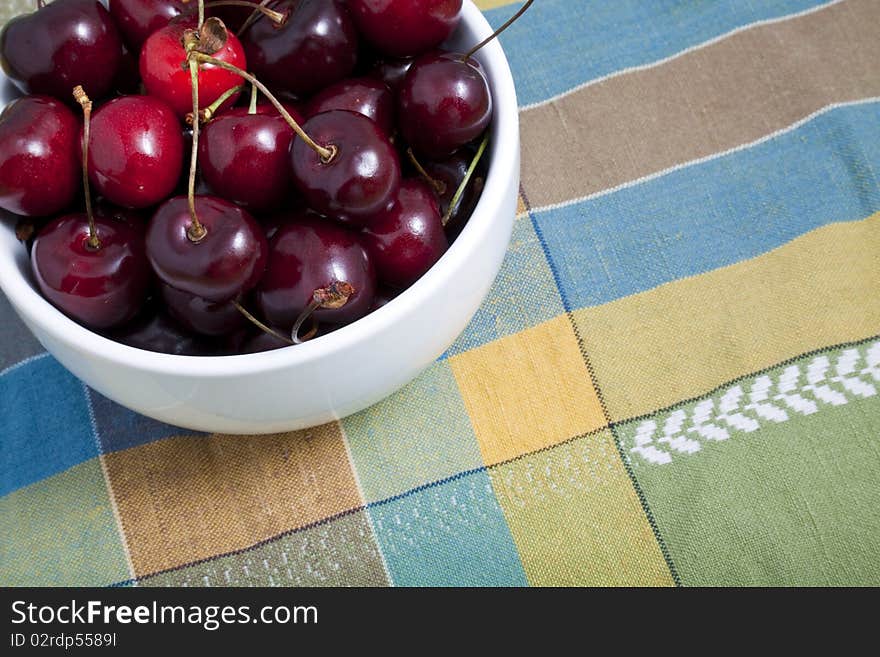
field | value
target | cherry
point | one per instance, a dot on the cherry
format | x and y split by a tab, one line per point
62	44
164	76
244	158
138	19
222	261
154	330
443	103
39	165
405	27
136	151
263	341
383	297
391	71
405	241
308	256
316	46
98	287
200	315
446	176
362	176
366	96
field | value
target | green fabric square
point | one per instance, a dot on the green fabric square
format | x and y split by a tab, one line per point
398	444
61	532
342	552
772	481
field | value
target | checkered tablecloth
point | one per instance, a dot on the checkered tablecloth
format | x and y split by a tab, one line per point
674	380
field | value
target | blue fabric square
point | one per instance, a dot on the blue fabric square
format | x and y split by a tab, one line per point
452	534
16	341
718	212
119	428
45	427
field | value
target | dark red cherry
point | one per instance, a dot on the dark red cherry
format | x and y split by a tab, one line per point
317	46
405	241
61	45
264	106
138	19
200	315
245	158
383	296
450	173
227	262
310	254
403	28
366	96
99	288
391	71
40	167
135	151
360	180
154	330
161	60
443	103
263	341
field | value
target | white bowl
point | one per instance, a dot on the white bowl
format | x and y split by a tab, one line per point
333	376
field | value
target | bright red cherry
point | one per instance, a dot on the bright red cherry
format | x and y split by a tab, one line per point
227	262
98	287
161	65
443	103
200	315
403	28
135	151
316	46
61	45
245	158
366	96
360	180
39	156
308	255
138	19
405	241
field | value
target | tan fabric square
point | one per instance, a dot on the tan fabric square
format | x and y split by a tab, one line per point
527	391
185	499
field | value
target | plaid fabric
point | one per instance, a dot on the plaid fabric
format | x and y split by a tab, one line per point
674	380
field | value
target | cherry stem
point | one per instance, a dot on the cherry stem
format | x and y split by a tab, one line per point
438	185
196	231
255	14
334	296
453	204
256	322
495	34
206	114
276	17
325	153
80	96
201	13
252	108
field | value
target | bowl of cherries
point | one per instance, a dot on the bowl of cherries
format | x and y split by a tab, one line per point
253	217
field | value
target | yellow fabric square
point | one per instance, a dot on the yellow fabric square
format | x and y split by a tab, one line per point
576	520
527	391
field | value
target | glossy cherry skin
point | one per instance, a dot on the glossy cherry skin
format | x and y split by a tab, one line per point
363	177
245	158
200	315
366	96
391	71
443	103
450	172
403	28
135	151
316	47
405	241
154	330
40	170
226	263
161	69
61	45
308	254
138	19
99	288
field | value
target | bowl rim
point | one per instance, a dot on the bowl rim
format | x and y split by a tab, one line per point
502	167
